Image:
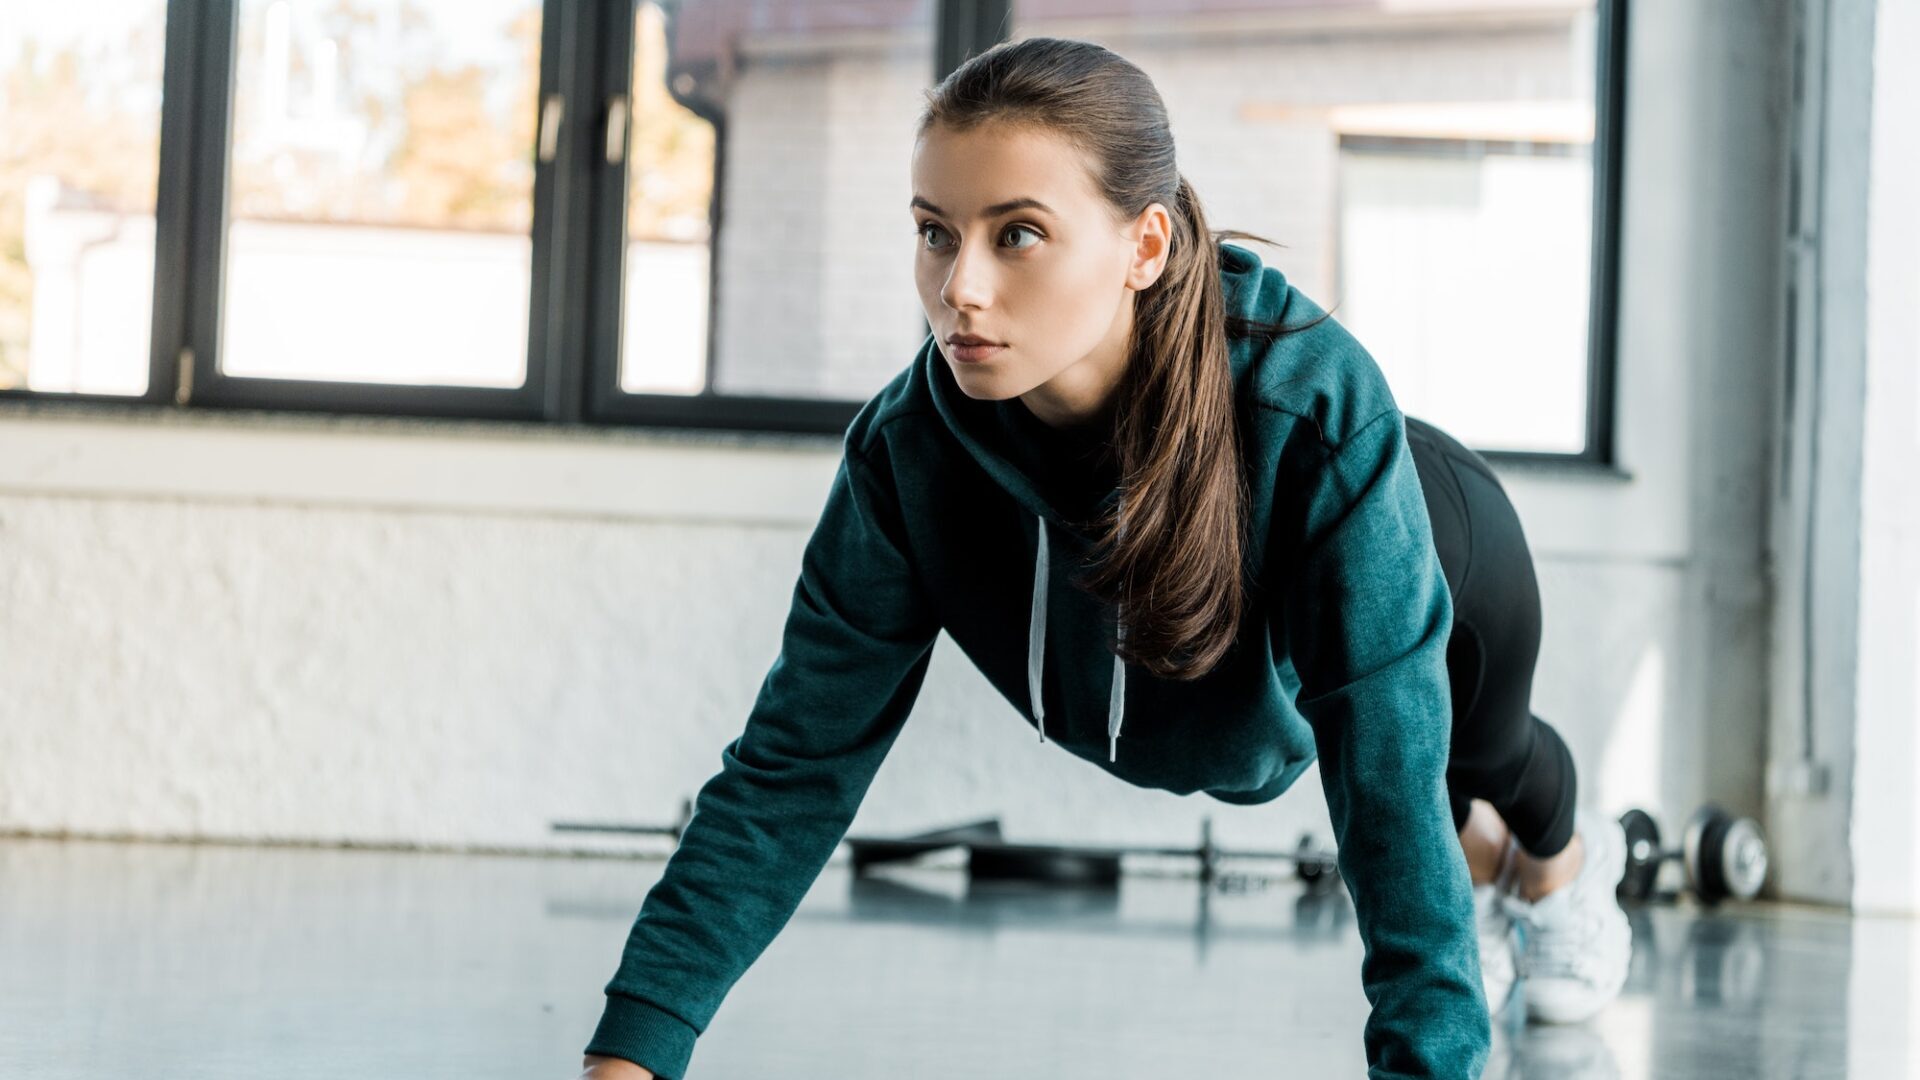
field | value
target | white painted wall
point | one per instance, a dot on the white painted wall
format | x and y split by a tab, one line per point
1843	758
1814	522
1884	831
255	627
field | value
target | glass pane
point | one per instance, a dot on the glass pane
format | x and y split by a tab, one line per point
1428	167
80	113
815	297
381	205
1432	233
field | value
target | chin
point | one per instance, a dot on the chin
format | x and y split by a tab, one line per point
970	386
973	381
979	387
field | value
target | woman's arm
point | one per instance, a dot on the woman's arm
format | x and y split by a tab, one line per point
854	653
1367	617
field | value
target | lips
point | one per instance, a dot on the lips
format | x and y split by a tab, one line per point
972	349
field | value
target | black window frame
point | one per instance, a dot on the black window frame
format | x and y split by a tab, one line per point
578	234
1599	454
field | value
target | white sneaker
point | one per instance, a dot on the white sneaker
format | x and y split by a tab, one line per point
1495	924
1575	941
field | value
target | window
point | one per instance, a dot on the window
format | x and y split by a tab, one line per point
488	208
1463	267
669	206
1443	176
792	123
368	213
380	193
688	212
80	106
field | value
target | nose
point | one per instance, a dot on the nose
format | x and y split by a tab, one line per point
968	286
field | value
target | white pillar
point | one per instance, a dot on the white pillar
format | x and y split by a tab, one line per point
1885	833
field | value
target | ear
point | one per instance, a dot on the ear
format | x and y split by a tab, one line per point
1152	236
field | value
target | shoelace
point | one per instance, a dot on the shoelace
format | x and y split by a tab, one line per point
1568	951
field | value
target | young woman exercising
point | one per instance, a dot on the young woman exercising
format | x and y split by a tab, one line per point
1269	564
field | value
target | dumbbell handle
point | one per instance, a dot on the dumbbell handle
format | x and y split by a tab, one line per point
1656	856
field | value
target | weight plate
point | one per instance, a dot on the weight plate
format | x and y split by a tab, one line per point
870	851
1643	855
1690	842
1310	865
1743	858
1054	866
1708	866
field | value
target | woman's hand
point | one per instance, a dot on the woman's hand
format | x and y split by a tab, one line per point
595	1067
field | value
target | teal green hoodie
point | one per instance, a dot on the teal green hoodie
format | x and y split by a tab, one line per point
931	524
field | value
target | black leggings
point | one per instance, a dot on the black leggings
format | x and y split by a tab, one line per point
1500	751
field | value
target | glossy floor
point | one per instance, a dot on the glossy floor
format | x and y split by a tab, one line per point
162	960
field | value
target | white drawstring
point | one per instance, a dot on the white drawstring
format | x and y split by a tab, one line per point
1037	648
1115	697
1037	629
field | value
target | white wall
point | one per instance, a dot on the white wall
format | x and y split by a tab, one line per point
1843	757
397	632
1814	524
1884	831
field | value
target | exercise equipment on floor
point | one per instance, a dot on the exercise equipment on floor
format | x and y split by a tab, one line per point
992	858
674	830
1724	856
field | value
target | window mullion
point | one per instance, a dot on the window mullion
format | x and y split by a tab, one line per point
172	256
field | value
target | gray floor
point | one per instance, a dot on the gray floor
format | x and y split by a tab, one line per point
163	960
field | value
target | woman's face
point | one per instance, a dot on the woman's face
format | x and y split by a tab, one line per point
1051	284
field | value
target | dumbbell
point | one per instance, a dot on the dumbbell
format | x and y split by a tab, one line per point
1724	856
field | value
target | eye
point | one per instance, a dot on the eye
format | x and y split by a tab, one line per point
1028	229
920	230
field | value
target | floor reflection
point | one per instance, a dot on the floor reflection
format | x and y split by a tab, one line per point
170	960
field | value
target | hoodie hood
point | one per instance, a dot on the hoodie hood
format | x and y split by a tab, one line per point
985	429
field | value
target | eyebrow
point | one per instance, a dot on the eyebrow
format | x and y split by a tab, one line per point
992	211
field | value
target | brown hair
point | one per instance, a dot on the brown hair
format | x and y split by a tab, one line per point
1171	554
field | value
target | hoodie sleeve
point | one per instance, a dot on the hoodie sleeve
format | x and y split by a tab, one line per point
1368	614
854	652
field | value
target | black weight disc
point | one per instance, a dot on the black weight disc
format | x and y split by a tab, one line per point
870	851
1311	866
1706	843
1643	856
1053	866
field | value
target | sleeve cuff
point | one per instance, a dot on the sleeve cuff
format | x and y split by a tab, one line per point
644	1034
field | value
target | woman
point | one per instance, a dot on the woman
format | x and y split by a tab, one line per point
1265	547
